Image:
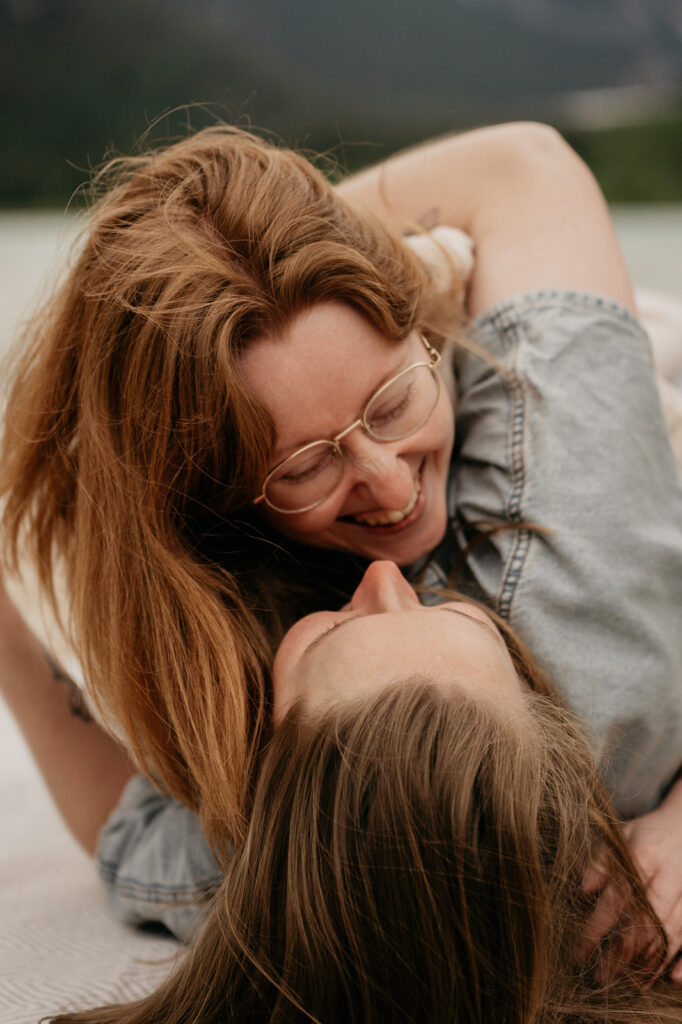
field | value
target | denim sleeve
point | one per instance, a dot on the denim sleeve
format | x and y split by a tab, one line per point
154	861
565	431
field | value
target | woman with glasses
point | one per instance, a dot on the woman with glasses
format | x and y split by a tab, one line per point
234	402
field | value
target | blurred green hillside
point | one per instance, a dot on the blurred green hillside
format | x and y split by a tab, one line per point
81	79
636	163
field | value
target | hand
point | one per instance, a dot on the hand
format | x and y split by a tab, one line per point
626	937
656	845
655	841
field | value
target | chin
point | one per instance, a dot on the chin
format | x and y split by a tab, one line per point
402	546
406	548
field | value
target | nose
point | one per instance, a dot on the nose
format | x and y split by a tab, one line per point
383	477
383	588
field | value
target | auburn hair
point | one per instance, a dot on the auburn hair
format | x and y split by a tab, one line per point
413	857
132	448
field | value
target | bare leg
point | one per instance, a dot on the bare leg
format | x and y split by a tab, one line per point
84	769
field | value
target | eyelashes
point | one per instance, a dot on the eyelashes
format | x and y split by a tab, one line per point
329	629
326	632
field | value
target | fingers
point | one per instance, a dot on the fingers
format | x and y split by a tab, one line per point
636	941
660	865
607	909
676	973
604	917
624	935
666	900
615	928
595	878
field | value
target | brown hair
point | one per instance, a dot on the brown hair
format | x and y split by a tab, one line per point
132	449
414	858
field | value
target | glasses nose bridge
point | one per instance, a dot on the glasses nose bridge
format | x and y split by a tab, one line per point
359	422
366	464
362	460
380	470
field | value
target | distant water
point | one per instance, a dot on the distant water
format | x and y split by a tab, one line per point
34	245
651	237
33	248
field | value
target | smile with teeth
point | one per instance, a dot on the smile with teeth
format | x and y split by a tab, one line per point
391	517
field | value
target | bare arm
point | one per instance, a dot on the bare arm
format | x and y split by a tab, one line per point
536	214
84	769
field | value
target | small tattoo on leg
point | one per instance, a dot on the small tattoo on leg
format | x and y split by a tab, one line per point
77	704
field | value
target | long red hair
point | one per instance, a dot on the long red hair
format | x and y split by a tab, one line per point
131	447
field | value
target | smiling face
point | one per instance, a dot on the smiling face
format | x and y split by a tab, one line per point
385	636
314	379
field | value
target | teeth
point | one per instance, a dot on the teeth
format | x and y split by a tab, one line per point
391	517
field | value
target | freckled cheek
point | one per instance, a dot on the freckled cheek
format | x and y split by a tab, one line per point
447	421
438	434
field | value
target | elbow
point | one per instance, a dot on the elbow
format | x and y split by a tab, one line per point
531	156
533	140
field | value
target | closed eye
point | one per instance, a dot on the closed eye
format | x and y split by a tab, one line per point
455	611
387	413
337	625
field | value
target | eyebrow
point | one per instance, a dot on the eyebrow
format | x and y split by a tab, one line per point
344	622
280	454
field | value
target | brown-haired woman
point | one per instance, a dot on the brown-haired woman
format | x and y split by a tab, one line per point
227	310
421	825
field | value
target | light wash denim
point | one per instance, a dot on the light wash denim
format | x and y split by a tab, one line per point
565	432
569	434
155	862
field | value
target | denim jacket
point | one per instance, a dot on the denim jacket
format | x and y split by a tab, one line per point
562	429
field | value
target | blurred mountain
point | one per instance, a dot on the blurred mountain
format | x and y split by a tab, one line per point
80	76
455	58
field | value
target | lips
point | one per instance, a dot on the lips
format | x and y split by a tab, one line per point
393	520
392	516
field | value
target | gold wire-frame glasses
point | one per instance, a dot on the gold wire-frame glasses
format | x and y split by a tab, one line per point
328	469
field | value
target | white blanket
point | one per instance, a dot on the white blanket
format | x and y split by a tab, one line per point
60	947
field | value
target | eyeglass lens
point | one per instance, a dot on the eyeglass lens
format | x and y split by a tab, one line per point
398	409
402	405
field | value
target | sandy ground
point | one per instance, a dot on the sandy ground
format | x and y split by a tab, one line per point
60	947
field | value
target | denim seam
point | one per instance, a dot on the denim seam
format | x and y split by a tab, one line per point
518	305
128	887
510	331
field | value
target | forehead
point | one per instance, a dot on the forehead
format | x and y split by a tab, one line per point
315	376
375	650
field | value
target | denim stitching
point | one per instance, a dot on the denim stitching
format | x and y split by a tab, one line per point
128	887
510	329
505	317
520	304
